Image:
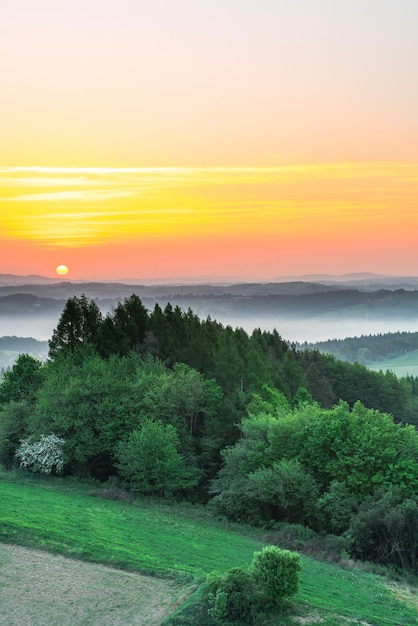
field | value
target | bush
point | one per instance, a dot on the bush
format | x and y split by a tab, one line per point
45	455
240	597
277	573
385	530
233	597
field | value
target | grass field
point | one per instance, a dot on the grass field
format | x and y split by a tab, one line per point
177	544
404	365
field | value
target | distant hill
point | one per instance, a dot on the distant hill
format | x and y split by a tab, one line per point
272	299
11	347
361	280
372	350
299	310
31	279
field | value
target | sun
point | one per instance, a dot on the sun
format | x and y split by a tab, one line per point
61	270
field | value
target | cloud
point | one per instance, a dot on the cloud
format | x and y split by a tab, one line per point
75	206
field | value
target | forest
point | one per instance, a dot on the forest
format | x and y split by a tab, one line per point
162	402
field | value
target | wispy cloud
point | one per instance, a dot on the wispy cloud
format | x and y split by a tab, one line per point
66	196
43	204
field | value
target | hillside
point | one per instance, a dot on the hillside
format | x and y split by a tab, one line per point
189	542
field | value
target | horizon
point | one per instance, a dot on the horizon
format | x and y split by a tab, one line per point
226	139
208	280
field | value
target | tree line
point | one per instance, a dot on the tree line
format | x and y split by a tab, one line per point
367	348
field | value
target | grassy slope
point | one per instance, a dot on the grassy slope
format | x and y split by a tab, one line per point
147	537
184	543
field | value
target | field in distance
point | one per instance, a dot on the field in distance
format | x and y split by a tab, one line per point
175	545
403	365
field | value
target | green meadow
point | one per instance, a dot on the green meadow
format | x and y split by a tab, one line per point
179	544
403	365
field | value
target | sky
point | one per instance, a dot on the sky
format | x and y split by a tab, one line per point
181	139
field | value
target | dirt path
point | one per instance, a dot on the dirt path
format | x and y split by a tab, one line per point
42	589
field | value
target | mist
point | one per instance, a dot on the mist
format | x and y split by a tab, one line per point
312	330
300	329
39	327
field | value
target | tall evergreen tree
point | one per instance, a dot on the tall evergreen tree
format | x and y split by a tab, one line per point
79	323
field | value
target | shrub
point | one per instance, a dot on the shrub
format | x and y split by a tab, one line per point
277	573
43	455
233	597
240	597
386	530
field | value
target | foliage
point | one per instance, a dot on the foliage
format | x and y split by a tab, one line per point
13	427
21	383
238	362
385	529
363	448
277	573
329	380
185	399
233	597
285	491
314	465
269	401
336	507
282	491
239	596
123	331
18	391
79	324
45	455
93	404
150	462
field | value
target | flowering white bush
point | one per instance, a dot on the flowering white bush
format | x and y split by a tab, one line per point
43	455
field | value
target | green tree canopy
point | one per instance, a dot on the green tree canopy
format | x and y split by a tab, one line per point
150	462
22	381
79	323
342	455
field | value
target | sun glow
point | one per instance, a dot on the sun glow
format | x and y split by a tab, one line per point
264	217
62	270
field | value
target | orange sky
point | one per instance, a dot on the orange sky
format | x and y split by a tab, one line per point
220	138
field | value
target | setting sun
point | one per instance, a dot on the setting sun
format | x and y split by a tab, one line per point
62	270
